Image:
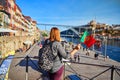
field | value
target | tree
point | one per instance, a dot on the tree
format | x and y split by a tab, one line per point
44	34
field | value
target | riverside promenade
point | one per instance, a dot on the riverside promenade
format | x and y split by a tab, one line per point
84	68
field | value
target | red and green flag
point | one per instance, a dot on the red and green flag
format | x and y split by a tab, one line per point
87	39
84	36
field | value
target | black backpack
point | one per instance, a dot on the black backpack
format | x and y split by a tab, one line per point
46	56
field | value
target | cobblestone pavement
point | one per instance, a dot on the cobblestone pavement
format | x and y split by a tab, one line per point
83	68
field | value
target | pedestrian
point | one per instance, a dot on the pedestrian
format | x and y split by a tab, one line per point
83	48
43	40
78	58
75	57
88	52
96	55
41	43
57	70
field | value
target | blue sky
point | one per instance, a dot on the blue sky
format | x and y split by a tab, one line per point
71	12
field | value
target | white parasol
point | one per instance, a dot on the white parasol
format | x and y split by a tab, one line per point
7	30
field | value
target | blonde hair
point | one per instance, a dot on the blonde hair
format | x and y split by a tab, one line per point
55	34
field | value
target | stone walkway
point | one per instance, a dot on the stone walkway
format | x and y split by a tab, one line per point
18	66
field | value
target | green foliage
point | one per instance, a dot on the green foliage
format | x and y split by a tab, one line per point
44	34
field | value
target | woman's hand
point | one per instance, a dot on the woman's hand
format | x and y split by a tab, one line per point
75	50
77	47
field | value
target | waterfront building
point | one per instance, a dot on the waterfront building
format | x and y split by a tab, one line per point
96	28
21	29
4	18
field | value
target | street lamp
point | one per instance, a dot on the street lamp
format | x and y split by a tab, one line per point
105	43
93	29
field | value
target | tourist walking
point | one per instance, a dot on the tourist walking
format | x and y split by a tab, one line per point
75	57
88	52
56	71
78	58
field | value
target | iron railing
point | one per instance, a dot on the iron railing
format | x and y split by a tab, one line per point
113	69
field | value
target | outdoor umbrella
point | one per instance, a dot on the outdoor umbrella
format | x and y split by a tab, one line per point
7	30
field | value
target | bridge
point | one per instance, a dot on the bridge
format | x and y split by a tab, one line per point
71	27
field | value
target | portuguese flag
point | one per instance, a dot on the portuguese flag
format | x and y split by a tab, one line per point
84	36
87	39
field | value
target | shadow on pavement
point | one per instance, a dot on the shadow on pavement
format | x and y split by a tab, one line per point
30	64
34	65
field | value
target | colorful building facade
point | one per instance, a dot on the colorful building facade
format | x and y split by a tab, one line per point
11	18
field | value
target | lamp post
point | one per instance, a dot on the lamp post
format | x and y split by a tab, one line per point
93	29
105	43
105	47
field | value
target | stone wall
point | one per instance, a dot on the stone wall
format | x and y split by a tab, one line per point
13	43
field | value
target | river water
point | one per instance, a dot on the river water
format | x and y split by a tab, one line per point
112	49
